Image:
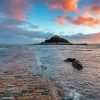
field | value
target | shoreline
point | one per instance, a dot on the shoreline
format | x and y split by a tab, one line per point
59	44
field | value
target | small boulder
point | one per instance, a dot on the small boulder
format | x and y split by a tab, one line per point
69	59
43	67
77	64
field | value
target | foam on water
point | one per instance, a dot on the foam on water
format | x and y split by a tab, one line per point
79	85
75	95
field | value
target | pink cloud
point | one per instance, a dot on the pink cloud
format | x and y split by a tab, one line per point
86	19
61	20
94	9
17	9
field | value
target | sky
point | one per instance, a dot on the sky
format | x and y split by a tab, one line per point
31	21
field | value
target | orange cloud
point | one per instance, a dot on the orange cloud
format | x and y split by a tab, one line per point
17	9
86	19
66	5
71	5
61	20
94	9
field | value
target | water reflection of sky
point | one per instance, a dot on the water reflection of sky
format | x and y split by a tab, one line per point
4	53
86	82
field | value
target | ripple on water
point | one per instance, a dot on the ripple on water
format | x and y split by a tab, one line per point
69	79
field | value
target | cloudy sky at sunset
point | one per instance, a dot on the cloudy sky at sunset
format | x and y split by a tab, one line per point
30	21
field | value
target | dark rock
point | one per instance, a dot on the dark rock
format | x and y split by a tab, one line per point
77	64
43	67
69	59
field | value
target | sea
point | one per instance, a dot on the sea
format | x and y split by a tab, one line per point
48	60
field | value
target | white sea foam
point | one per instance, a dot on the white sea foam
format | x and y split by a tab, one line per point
75	95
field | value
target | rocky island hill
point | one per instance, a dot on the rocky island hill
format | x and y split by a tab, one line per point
55	40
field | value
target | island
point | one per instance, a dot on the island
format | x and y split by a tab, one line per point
57	40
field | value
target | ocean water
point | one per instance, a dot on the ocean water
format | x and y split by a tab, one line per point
75	84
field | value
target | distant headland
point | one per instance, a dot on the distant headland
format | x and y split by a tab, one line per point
57	40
